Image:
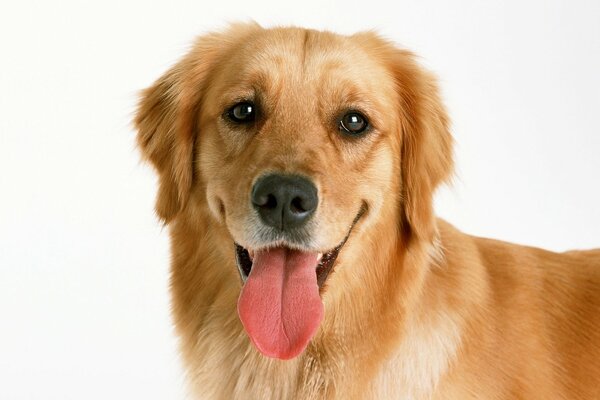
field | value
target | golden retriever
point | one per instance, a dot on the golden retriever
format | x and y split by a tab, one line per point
297	170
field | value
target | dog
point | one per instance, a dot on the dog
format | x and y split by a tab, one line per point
296	173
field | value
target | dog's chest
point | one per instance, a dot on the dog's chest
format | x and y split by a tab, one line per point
227	366
419	362
235	370
261	378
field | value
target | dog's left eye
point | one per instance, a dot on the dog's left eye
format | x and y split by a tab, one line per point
242	113
353	123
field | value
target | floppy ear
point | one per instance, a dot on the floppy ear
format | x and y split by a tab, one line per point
426	150
165	137
167	114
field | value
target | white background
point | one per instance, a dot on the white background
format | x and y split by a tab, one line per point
84	308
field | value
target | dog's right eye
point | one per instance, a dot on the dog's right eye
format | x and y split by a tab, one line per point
242	113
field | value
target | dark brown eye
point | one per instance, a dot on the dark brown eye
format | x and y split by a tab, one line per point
242	113
353	123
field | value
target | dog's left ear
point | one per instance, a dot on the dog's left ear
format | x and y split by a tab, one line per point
426	155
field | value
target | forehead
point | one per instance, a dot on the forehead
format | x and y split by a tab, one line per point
303	63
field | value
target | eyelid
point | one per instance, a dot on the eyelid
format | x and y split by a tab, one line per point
354	110
237	100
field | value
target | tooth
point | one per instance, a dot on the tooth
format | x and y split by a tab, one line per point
319	256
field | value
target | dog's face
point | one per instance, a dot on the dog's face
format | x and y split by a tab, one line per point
295	140
298	132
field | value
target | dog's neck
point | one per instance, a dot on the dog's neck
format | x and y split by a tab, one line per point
395	267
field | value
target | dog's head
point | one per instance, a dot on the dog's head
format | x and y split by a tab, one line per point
302	144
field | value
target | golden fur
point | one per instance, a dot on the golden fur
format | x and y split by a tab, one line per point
415	309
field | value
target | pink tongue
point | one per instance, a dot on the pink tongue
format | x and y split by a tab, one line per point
280	306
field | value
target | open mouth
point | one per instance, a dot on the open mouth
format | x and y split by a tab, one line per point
245	258
280	304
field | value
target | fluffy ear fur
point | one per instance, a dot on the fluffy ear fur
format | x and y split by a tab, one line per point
426	143
165	137
426	155
167	114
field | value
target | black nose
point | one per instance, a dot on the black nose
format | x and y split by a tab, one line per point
284	202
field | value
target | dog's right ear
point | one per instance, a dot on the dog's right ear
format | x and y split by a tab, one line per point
165	137
167	114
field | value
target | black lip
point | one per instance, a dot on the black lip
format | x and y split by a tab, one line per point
324	268
243	261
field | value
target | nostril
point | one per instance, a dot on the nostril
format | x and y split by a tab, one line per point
297	206
271	202
268	201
